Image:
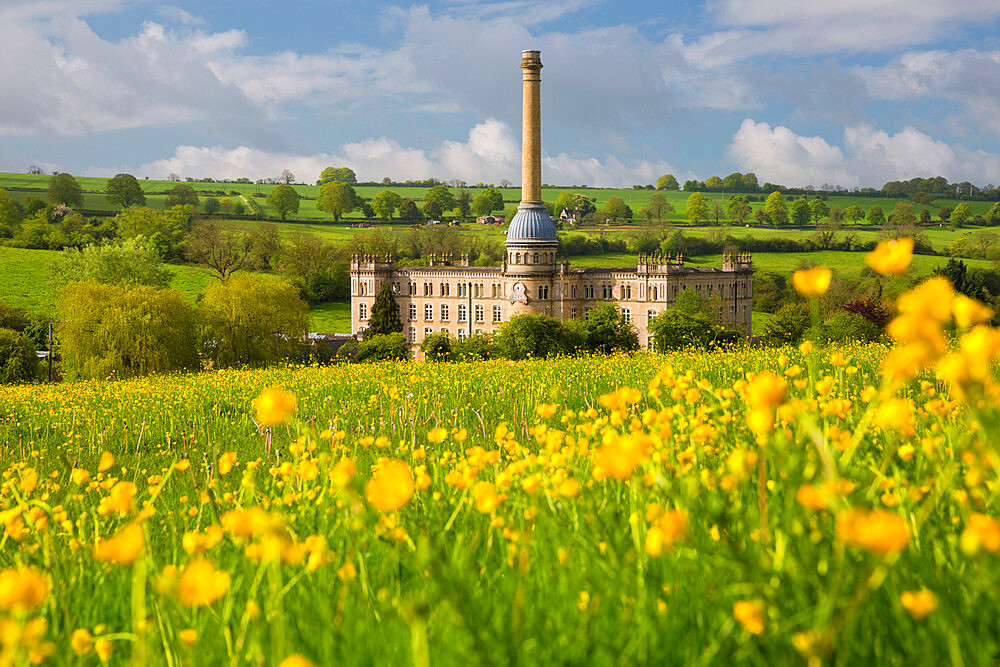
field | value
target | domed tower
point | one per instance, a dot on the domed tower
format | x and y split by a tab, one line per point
531	238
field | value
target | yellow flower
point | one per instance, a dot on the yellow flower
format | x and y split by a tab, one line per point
620	456
891	257
485	495
750	614
896	414
767	390
969	312
189	636
880	532
79	476
437	435
296	660
546	410
620	398
274	406
343	472
668	529
123	548
812	282
811	497
201	584
919	604
22	590
82	642
182	465
104	649
982	532
107	460
390	487
119	500
226	463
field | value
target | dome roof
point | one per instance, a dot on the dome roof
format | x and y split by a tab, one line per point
531	224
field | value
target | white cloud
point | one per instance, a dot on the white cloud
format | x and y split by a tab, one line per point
870	157
32	10
489	154
179	15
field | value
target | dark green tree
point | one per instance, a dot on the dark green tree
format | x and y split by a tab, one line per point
438	200
283	199
63	189
385	347
534	336
608	331
438	347
385	314
18	361
181	194
496	198
338	174
386	203
876	216
667	182
408	210
801	211
123	190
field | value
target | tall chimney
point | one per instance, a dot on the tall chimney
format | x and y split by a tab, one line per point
531	128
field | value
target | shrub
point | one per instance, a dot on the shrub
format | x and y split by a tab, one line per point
608	331
675	329
788	324
525	336
385	347
251	319
18	361
438	347
474	348
844	327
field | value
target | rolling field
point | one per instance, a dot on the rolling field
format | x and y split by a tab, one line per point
622	510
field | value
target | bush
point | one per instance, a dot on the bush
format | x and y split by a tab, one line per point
474	348
438	347
133	262
608	331
251	319
385	347
844	327
788	324
18	361
674	329
535	336
125	331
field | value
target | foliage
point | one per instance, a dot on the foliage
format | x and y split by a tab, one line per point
18	362
135	261
384	347
385	314
608	331
801	212
283	199
667	182
438	347
818	209
775	209
408	210
251	320
386	203
123	190
337	199
874	311
854	213
478	347
337	174
676	328
165	230
788	324
616	209
11	214
696	209
530	336
224	251
111	330
738	208
960	214
845	327
438	200
312	265
212	205
181	194
875	216
63	189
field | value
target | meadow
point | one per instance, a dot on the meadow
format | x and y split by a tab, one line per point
791	505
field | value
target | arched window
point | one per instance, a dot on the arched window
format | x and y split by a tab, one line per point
535	258
518	261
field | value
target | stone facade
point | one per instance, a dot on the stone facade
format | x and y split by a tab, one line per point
449	295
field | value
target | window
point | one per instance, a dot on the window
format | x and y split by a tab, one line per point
463	289
732	312
627	314
656	294
445	289
534	260
494	291
428	331
412	335
463	312
461	334
744	312
543	291
413	311
518	255
413	289
444	312
363	311
480	314
428	312
496	314
572	313
428	289
650	314
628	292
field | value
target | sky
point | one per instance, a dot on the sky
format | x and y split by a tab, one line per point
801	92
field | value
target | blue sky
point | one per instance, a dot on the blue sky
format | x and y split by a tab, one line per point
851	93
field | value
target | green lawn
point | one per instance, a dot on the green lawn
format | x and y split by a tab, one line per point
334	317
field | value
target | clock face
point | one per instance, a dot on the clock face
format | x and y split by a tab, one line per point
518	289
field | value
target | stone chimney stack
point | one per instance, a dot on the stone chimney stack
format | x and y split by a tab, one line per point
531	128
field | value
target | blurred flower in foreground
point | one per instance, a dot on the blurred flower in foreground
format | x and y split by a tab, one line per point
812	282
274	406
891	257
390	487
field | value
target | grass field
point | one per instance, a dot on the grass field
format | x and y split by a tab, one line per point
597	511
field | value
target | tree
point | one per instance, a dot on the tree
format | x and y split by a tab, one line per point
122	331
266	246
408	210
385	314
386	347
615	208
385	204
667	182
818	209
608	331
63	189
462	203
961	214
496	198
181	194
801	211
337	199
533	336
738	209
224	251
251	319
312	266
438	200
923	199
337	174
994	213
474	348
696	209
283	199
481	204
135	261
775	209
165	230
717	212
658	207
11	214
212	205
788	324
288	177
713	184
854	213
123	190
18	361
438	347
876	216
674	329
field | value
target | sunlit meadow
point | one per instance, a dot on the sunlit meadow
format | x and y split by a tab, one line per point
775	506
